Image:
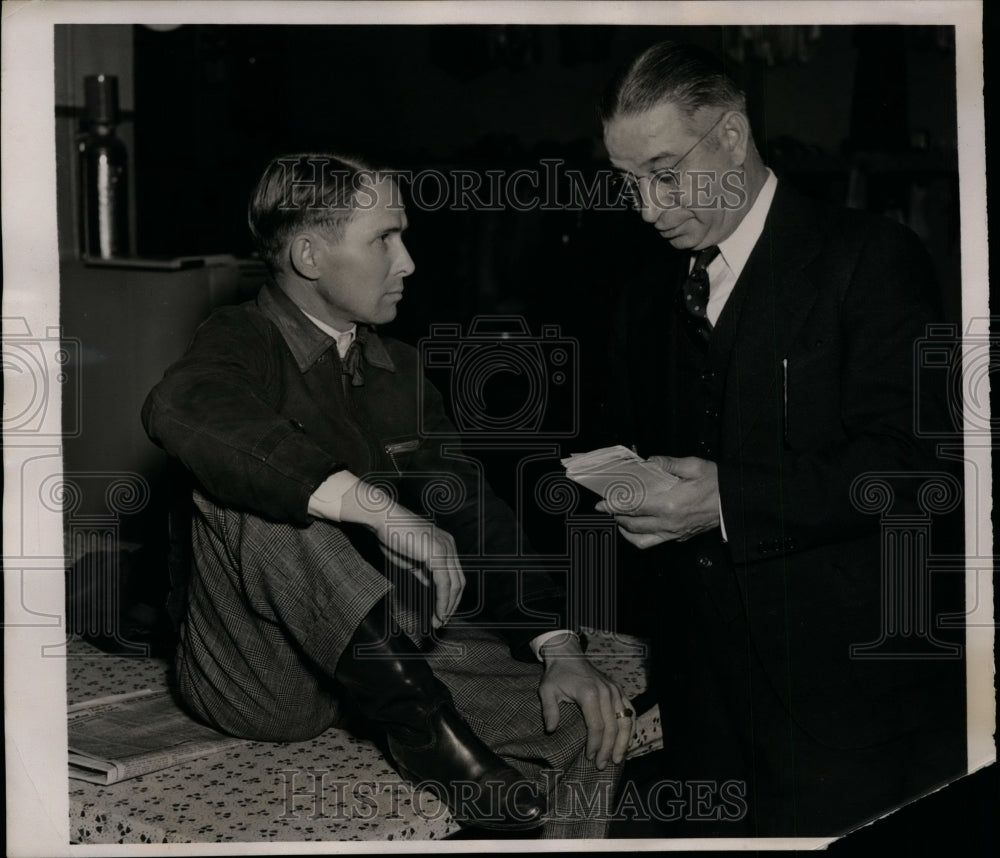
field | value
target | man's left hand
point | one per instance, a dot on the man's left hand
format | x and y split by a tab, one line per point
570	677
674	510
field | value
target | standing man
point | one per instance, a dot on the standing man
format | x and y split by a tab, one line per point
765	361
314	443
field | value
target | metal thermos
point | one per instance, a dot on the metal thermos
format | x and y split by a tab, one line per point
104	232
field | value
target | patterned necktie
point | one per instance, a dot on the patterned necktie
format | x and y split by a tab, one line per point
351	364
696	287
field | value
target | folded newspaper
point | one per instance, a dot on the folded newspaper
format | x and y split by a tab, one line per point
115	738
617	474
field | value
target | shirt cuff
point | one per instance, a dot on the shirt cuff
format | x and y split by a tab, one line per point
327	500
722	523
537	643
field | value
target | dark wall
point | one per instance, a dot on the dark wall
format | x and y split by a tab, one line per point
214	103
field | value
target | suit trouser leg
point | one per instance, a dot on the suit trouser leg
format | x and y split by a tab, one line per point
725	723
802	786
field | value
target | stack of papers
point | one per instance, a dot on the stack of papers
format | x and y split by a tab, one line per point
615	473
120	737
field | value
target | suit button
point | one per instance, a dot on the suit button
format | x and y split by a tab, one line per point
708	375
762	547
711	413
296	425
705	561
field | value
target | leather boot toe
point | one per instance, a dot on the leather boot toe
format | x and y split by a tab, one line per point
478	787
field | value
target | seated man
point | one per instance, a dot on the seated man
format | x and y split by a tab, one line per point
302	429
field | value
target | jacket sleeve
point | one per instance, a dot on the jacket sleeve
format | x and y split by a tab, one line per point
525	602
216	411
781	494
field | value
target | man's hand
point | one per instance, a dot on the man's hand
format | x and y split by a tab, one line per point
413	543
670	510
570	677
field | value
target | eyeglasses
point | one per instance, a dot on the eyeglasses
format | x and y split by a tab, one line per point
669	176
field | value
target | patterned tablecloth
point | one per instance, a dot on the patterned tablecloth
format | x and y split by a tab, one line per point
333	787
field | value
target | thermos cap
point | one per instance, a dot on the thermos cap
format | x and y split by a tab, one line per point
101	93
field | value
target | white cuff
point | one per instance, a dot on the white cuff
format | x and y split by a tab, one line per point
722	523
537	643
328	498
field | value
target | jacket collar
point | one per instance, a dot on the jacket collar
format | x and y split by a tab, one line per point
306	341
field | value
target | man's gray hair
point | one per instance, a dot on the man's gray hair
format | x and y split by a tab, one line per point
681	74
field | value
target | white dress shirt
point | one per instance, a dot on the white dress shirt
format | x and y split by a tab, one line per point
337	485
725	269
735	250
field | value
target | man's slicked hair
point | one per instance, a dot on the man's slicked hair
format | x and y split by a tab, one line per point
681	74
301	191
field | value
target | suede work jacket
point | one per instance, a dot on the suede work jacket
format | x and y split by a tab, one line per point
261	411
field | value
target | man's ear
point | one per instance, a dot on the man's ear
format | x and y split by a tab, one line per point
736	137
302	255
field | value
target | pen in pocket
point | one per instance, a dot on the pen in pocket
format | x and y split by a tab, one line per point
784	399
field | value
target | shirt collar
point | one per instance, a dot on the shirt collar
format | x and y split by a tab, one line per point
307	341
347	337
736	249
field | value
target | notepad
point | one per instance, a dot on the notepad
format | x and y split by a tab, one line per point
617	474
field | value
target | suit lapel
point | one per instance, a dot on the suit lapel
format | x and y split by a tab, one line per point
765	312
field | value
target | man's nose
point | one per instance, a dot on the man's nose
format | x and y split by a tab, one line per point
649	207
404	262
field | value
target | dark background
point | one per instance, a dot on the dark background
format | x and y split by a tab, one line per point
829	105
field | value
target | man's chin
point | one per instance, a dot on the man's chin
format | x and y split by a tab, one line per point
679	242
680	238
385	316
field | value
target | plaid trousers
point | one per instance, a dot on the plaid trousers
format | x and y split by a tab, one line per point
271	608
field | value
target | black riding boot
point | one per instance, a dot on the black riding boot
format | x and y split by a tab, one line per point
393	686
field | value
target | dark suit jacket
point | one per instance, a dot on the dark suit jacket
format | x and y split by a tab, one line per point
814	358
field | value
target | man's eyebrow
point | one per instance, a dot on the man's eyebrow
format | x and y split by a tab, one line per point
395	226
653	159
